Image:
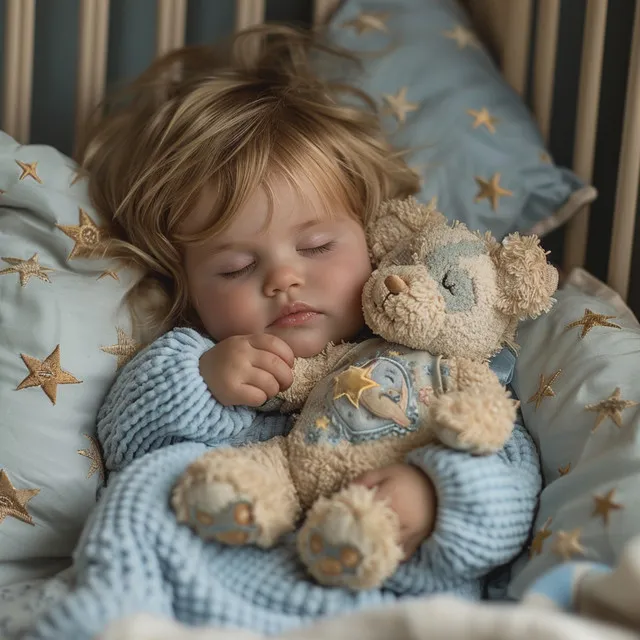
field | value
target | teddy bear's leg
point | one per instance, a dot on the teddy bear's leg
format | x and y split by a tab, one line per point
349	539
478	414
239	496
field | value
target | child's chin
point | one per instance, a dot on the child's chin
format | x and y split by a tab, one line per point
304	344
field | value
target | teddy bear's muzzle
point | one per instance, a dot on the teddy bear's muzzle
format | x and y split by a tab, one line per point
404	305
395	284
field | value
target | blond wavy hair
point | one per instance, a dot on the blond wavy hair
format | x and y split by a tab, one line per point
229	120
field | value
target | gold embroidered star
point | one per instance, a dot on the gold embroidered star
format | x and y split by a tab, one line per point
13	502
564	470
537	543
491	190
87	235
126	348
46	374
604	504
590	320
94	453
29	170
109	273
464	37
322	423
370	21
26	269
352	383
567	544
398	104
544	388
612	407
483	117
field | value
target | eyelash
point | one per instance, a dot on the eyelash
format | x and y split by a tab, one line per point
324	248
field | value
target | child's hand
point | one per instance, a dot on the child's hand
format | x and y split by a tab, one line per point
411	495
247	370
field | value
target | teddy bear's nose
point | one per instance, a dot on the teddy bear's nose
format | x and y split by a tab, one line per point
395	284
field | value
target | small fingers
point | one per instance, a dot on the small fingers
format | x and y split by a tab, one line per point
252	396
274	366
263	381
273	344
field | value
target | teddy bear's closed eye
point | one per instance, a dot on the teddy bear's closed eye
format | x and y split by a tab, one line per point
448	282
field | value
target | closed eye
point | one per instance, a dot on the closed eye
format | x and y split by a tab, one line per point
323	248
448	283
239	272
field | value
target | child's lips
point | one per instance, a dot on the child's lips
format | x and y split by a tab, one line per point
295	319
295	314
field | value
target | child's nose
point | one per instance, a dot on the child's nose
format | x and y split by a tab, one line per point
281	279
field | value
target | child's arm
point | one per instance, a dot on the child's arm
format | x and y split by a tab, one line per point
161	398
485	508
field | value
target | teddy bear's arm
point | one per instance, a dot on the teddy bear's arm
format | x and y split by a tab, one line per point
476	413
307	372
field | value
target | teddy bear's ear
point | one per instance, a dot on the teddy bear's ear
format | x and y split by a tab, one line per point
526	280
396	221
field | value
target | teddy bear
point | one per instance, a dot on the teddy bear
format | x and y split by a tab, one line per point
441	301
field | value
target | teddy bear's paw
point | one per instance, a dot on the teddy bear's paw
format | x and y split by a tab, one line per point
331	560
216	512
233	525
475	422
349	540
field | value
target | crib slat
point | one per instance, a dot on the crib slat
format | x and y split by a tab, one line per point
516	47
249	13
628	171
92	57
18	68
322	10
584	147
171	24
545	62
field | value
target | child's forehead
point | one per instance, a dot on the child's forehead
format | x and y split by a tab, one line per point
276	201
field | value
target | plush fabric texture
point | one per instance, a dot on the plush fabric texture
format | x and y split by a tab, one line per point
472	139
576	377
62	335
134	557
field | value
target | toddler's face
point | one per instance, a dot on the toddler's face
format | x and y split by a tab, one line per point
297	275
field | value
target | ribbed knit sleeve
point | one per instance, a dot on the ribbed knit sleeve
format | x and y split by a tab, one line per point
160	399
486	506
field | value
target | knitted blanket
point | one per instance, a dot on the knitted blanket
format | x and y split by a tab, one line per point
134	557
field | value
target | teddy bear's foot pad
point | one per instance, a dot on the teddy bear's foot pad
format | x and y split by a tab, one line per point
231	525
348	540
331	561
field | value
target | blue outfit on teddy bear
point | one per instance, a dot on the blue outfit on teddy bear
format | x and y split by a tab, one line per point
134	556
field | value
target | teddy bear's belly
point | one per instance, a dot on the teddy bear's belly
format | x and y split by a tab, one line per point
370	412
321	469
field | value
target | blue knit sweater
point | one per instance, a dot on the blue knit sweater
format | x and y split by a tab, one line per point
133	556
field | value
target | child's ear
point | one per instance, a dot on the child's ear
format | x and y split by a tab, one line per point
526	280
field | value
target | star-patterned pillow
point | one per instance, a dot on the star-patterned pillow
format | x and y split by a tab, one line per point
577	379
64	331
472	140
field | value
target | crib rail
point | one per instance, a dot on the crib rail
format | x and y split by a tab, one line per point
509	21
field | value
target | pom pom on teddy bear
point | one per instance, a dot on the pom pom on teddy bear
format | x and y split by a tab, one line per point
441	301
